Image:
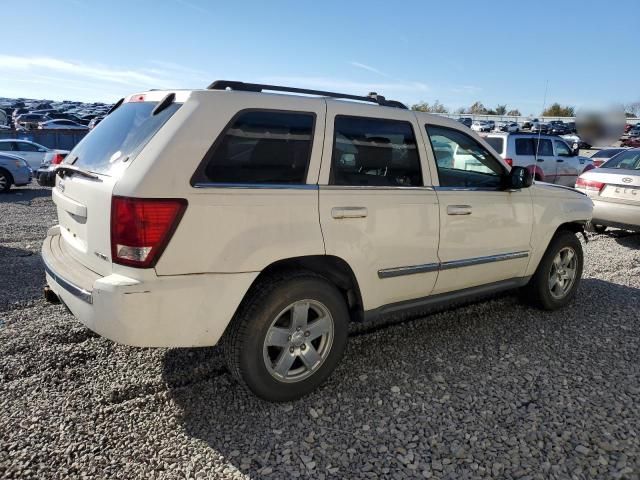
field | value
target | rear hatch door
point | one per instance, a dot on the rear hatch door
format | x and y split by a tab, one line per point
86	179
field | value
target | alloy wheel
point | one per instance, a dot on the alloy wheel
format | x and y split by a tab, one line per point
562	274
298	341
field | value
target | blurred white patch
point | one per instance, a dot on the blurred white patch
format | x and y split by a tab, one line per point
115	156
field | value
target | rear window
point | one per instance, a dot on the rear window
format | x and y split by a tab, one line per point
497	143
524	146
605	153
625	161
119	137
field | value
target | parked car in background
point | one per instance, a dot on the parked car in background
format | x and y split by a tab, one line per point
303	199
557	128
631	142
549	158
571	127
627	127
30	120
466	121
511	127
480	126
605	154
614	189
14	170
635	131
61	124
34	153
526	125
575	141
491	123
539	127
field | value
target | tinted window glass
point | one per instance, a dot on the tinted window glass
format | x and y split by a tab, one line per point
626	161
562	149
463	162
545	149
120	136
606	153
524	146
497	143
6	146
263	147
370	151
26	147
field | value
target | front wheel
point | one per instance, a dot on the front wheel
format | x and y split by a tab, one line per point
5	181
558	275
288	336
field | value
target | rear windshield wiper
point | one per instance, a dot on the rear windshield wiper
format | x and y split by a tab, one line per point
164	103
63	170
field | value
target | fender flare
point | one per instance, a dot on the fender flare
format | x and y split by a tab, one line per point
536	170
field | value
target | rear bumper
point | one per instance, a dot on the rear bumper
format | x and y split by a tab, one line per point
619	215
22	176
160	311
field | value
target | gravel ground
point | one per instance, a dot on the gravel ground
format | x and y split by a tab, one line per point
492	390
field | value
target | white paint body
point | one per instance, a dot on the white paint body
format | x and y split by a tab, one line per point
227	236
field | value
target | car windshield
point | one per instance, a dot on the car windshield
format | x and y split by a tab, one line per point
119	137
625	161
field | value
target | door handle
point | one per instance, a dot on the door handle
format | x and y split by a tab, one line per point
540	159
349	212
559	160
458	209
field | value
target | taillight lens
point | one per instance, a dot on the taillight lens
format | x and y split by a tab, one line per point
57	158
589	185
142	227
591	167
509	161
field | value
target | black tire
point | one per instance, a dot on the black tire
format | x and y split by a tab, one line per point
6	180
537	291
244	341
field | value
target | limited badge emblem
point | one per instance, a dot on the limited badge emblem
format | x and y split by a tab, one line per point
627	179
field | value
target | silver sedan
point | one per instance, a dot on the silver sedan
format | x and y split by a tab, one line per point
614	189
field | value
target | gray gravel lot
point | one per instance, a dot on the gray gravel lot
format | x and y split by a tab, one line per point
492	390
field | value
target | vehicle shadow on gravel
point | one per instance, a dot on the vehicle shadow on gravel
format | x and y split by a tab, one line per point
21	275
24	195
447	362
630	240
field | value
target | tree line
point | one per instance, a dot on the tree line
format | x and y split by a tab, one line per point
477	108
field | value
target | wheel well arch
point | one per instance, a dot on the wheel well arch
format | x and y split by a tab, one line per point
334	269
8	173
537	172
575	227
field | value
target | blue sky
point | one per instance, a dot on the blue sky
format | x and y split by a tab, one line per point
454	51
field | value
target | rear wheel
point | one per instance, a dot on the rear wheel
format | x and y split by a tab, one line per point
558	275
5	181
288	336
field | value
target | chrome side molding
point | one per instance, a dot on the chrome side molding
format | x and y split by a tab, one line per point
73	289
433	267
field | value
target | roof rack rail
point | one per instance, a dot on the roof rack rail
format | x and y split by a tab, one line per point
258	87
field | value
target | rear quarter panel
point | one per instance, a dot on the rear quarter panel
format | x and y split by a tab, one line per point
226	230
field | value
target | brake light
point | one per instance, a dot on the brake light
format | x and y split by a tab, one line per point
142	227
57	158
589	185
509	161
137	98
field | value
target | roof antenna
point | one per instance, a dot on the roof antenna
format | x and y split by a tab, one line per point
544	105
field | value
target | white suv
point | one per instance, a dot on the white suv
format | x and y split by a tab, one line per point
270	223
548	157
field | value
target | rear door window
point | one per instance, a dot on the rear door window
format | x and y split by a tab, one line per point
545	148
119	137
524	146
374	152
262	147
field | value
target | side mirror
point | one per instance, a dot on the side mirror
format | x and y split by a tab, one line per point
518	178
575	151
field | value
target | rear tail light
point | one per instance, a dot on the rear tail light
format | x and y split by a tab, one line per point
142	227
591	167
596	163
509	161
57	158
589	185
